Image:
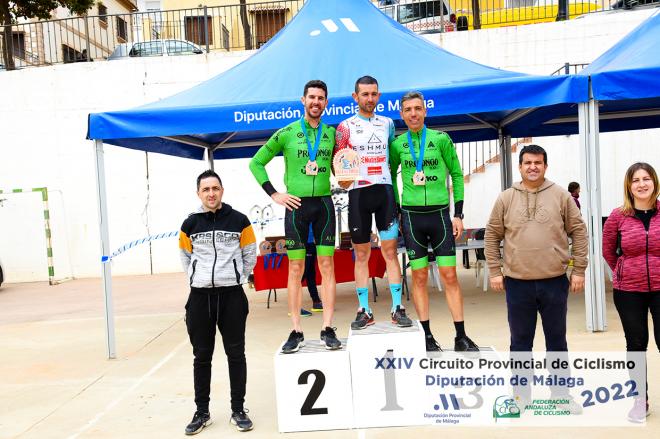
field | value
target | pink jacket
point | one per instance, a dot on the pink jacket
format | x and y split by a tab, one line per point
638	268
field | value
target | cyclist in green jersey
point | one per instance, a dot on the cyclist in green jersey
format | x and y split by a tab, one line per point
425	157
307	145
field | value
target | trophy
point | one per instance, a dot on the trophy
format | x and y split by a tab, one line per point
346	164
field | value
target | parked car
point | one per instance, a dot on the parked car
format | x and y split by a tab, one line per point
422	16
518	16
155	48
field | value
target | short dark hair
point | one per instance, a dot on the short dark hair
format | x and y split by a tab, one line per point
410	96
316	83
206	174
365	80
532	149
573	186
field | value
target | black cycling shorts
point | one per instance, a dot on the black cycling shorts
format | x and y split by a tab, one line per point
428	228
317	211
377	199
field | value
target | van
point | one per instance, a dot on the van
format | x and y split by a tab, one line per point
421	16
521	15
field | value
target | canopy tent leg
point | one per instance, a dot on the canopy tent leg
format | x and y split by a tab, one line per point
105	249
506	169
594	291
209	158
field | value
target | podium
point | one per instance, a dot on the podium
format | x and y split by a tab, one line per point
313	388
385	391
367	383
384	377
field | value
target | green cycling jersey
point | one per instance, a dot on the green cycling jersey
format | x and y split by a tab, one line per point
290	141
439	157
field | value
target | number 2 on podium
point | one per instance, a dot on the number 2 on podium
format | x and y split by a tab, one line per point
314	393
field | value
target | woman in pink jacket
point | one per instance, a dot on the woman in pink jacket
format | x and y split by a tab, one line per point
631	247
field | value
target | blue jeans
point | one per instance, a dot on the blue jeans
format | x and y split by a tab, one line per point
548	297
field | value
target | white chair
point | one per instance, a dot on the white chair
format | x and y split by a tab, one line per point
434	276
481	268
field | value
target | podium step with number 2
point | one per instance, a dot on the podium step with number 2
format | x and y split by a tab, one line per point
364	384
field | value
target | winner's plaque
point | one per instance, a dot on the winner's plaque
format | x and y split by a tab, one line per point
347	165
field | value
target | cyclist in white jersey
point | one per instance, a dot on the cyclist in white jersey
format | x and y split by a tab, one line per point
370	134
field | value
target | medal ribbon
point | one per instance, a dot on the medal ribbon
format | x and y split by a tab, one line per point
418	163
312	152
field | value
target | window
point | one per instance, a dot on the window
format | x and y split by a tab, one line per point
18	44
195	29
156	17
150	48
103	13
268	23
176	47
69	54
225	37
122	29
389	11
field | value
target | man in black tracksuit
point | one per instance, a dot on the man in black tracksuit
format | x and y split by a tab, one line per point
218	251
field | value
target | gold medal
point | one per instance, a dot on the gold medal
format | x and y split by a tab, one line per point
311	168
419	179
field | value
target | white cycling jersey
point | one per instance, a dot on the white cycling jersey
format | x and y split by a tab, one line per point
370	138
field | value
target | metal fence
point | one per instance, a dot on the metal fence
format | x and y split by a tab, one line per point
430	16
182	31
240	27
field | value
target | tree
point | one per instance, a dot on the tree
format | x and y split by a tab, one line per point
247	33
10	11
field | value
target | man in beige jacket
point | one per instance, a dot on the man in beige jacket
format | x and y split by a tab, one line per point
535	218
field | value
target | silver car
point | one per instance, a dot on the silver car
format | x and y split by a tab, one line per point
155	48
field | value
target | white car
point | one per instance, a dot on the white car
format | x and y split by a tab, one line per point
155	48
421	16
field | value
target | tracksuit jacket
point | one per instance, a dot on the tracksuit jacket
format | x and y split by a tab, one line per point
225	248
637	268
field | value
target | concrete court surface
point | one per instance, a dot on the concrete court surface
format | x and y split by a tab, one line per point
55	380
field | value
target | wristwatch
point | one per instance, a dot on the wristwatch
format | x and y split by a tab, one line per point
459	216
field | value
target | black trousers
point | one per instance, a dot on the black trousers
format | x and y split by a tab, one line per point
226	308
634	308
525	299
548	297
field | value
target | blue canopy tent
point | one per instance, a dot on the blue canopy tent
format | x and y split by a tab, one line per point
232	114
336	41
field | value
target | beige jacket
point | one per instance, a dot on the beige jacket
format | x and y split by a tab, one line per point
535	227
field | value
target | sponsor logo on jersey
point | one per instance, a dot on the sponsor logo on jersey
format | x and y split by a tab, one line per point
220	237
373	160
374	139
374	170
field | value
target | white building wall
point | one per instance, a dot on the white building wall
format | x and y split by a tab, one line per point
44	120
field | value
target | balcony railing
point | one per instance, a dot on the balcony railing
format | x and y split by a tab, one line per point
431	16
241	27
95	38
